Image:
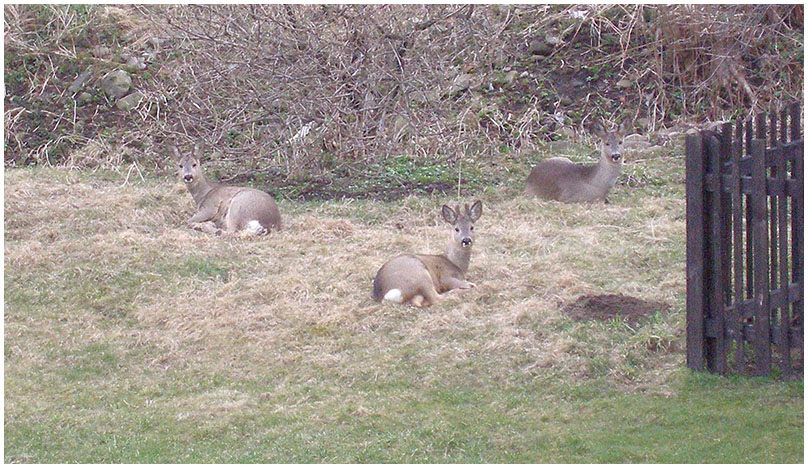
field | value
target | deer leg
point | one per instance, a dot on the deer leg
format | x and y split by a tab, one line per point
457	283
202	221
207	227
429	295
201	216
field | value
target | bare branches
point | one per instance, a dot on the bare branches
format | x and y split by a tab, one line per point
369	81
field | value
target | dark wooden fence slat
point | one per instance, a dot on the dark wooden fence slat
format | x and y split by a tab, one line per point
773	211
785	318
759	236
797	253
749	135
715	347
724	158
694	170
737	246
797	234
760	128
750	245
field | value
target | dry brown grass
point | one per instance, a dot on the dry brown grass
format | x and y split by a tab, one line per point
303	293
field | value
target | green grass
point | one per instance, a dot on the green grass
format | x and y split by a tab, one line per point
131	339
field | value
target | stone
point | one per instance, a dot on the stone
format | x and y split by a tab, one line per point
136	62
79	82
624	83
129	102
461	83
116	83
552	41
84	98
101	52
539	47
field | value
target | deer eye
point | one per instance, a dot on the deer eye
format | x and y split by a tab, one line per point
472	228
194	164
457	229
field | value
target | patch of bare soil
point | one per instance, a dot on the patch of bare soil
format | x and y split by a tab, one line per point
608	306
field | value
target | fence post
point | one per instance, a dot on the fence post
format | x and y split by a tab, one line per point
762	343
694	169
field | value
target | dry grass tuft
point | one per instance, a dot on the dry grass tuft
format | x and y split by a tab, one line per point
304	292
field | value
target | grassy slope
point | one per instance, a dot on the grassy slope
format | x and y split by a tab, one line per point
129	338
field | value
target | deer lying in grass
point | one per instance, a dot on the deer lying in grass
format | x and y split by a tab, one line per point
421	279
563	180
219	207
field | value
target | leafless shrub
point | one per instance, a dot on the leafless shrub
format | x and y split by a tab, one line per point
703	60
313	89
361	81
364	82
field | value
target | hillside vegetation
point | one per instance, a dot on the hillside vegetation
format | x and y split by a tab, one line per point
329	101
131	338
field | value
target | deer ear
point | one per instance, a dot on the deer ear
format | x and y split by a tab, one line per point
476	210
449	215
198	150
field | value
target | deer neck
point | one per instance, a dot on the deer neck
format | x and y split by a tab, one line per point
458	255
200	190
604	174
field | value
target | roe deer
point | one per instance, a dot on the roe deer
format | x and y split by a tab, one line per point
219	207
561	179
421	279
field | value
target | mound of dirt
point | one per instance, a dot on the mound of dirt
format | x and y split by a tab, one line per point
608	306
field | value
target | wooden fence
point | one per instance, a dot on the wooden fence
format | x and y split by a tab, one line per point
745	246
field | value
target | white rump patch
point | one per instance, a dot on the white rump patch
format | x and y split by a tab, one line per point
255	227
394	295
